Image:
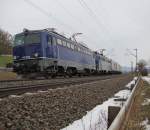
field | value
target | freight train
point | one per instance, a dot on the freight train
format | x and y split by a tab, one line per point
48	53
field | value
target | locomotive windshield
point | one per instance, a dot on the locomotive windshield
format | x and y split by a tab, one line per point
27	39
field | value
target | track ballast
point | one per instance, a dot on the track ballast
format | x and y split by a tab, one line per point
13	87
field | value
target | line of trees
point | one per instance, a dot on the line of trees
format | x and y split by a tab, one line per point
6	42
142	67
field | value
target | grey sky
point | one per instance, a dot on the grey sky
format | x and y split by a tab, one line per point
111	24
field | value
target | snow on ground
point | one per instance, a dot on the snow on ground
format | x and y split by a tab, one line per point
123	94
146	78
132	82
96	119
146	101
135	78
145	123
14	96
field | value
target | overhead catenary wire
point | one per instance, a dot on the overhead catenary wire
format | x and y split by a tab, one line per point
66	10
70	14
74	17
107	27
90	12
93	15
48	14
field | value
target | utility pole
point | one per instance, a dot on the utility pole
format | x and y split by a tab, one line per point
131	66
136	56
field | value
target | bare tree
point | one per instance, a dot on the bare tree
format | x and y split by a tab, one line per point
142	67
5	42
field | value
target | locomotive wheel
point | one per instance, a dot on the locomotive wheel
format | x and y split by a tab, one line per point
47	76
53	76
79	74
69	72
64	75
29	76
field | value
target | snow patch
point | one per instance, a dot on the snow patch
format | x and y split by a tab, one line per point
14	96
123	94
146	78
41	91
97	118
132	82
135	78
28	93
145	123
146	101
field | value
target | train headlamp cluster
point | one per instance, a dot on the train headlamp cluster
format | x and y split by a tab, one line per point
15	57
36	54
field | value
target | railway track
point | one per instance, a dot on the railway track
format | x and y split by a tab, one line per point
57	108
15	87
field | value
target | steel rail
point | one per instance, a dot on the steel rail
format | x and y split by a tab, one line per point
13	83
59	77
13	90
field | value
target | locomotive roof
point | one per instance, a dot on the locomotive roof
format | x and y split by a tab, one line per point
56	34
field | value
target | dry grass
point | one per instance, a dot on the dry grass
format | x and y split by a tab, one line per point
4	60
7	75
139	112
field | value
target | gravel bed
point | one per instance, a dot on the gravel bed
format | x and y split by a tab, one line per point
55	109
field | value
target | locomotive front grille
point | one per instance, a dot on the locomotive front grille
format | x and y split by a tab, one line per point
26	66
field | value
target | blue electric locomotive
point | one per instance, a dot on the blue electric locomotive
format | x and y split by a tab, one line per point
48	53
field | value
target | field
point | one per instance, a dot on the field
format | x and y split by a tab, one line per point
7	75
4	60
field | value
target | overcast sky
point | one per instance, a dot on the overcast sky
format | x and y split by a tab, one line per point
111	24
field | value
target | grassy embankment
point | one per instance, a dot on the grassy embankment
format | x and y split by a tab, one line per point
4	60
140	112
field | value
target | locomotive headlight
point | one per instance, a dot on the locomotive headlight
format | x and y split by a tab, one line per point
15	57
36	54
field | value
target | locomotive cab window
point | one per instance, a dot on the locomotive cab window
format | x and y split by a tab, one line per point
19	40
27	39
49	40
79	49
64	43
59	41
72	46
54	40
68	44
32	38
75	48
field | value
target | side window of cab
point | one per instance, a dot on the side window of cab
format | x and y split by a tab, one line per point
54	41
49	40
